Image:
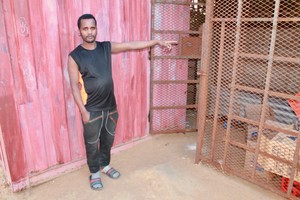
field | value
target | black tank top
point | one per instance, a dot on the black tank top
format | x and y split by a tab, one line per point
95	68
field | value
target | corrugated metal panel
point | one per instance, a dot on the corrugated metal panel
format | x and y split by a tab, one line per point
40	124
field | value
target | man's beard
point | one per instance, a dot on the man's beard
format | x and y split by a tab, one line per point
90	41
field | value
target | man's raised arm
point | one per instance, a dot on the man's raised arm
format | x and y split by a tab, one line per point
134	45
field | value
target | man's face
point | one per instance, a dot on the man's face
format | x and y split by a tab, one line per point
88	30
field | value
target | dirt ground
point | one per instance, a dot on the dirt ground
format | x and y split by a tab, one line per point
161	167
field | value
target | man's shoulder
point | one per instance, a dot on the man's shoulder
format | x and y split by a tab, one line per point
104	42
75	50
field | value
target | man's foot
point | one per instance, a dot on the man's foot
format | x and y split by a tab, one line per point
95	181
111	172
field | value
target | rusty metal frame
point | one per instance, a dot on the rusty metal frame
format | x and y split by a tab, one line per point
234	86
203	91
166	82
234	74
267	84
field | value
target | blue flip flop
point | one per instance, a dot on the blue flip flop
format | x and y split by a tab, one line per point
111	172
96	182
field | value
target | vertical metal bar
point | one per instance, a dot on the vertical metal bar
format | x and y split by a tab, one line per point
151	67
217	106
295	164
205	62
267	84
234	74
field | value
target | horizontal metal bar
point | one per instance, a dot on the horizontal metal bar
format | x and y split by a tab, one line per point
174	131
176	57
242	119
244	146
284	96
282	130
178	2
175	82
266	57
249	89
172	107
174	32
266	126
281	19
271	93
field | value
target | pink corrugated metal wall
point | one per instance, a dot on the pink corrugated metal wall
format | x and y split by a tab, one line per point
40	128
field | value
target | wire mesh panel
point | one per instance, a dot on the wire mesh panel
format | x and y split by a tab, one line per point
253	99
174	80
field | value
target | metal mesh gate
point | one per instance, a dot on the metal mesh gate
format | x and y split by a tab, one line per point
174	80
250	124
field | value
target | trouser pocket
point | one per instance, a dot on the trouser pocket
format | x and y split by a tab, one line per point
111	122
92	127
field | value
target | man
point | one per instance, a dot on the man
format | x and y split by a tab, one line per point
99	115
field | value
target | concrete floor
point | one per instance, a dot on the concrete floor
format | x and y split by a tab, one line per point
161	167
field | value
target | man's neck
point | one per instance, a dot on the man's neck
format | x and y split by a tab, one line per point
89	46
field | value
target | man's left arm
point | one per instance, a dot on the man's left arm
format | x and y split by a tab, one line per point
134	45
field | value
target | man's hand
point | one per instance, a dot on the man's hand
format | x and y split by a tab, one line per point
85	117
167	44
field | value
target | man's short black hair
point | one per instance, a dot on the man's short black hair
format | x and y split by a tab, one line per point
85	16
